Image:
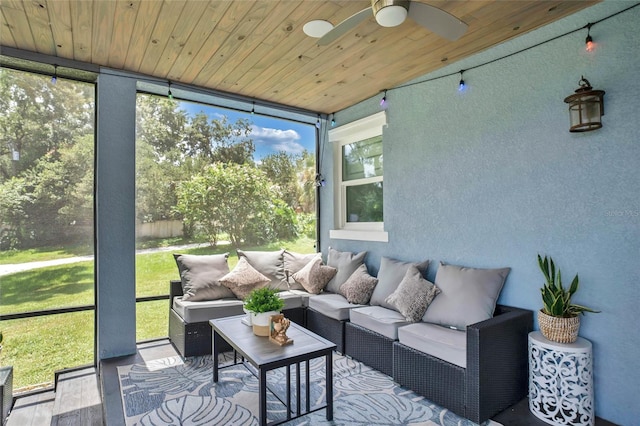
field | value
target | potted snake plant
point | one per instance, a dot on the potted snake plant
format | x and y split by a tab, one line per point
559	319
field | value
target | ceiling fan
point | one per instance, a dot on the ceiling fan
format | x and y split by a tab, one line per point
391	13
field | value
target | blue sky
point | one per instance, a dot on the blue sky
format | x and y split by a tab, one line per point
269	134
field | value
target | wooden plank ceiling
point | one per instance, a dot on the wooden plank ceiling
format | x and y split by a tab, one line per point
257	48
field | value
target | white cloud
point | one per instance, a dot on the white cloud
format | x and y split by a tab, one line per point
277	139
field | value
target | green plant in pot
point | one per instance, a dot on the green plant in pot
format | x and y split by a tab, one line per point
262	303
559	319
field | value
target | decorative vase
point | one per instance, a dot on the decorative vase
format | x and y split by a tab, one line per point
260	322
559	329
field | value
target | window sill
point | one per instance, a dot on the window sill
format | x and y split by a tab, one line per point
360	235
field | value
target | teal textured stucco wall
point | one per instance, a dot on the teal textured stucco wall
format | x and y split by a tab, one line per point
491	177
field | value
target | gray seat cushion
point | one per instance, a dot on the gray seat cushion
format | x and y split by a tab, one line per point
381	320
332	305
211	309
441	342
208	309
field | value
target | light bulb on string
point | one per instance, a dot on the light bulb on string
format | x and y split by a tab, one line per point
462	85
383	102
253	108
318	122
590	45
170	95
54	77
333	120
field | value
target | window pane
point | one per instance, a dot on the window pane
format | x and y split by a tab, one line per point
362	159
364	203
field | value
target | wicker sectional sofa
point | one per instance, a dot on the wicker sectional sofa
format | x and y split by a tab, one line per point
475	368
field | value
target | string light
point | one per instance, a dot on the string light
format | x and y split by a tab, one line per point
333	120
589	40
170	95
318	122
253	107
54	77
383	102
320	180
461	85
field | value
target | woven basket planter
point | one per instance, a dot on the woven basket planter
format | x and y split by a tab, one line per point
557	329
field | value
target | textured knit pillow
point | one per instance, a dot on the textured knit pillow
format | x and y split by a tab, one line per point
346	263
294	262
413	295
243	279
268	263
468	295
389	276
200	275
314	276
359	286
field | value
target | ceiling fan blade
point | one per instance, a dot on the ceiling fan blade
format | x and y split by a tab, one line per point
437	20
345	26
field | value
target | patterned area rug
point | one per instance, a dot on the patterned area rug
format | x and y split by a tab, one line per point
172	392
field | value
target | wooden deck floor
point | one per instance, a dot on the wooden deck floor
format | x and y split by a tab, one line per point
76	401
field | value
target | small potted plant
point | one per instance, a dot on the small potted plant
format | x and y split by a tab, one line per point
559	319
262	303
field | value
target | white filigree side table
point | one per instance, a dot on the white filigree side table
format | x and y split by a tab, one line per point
561	381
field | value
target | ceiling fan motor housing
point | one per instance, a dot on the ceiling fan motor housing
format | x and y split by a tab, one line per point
390	13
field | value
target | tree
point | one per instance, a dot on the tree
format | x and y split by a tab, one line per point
39	117
280	168
236	199
216	140
53	202
306	169
173	146
46	158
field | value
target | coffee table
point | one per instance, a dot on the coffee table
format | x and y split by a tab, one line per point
265	355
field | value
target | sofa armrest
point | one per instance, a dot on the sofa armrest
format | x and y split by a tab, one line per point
175	289
497	360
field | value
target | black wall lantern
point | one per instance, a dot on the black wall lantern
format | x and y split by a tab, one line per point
585	108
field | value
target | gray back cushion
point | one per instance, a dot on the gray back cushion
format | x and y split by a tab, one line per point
467	295
200	275
269	264
294	262
390	275
346	263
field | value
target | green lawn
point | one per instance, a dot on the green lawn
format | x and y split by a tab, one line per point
36	347
43	253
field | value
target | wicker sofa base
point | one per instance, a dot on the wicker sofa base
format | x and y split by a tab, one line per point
369	347
437	380
329	328
194	339
496	373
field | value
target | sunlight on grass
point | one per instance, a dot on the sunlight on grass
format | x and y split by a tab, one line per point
8	257
37	347
47	288
152	319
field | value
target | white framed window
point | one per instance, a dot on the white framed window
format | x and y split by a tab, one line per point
359	178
